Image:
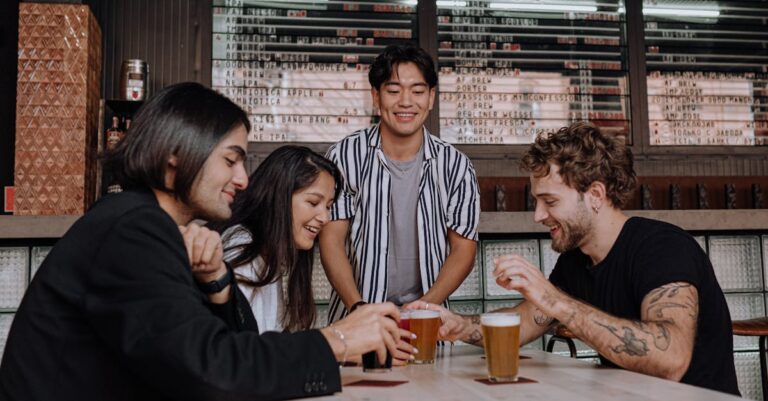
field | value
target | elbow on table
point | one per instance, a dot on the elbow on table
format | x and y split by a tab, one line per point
676	369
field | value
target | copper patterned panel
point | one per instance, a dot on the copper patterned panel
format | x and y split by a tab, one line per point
57	102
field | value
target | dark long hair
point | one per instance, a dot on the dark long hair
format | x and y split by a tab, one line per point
264	211
186	120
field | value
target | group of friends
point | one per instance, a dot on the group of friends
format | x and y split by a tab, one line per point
195	282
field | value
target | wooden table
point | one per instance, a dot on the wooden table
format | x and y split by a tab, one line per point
559	378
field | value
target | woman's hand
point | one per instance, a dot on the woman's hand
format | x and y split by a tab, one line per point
371	327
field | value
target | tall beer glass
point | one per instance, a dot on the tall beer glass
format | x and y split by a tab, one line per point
501	337
425	323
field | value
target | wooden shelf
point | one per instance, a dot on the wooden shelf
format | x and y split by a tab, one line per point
690	220
490	222
35	226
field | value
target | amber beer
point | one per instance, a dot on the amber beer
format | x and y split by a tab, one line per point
425	323
405	323
501	338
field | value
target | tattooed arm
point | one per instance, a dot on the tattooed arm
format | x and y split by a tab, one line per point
660	344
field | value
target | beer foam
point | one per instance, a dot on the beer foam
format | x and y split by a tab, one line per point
424	314
500	319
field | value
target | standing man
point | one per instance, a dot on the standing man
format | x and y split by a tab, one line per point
641	292
135	301
405	225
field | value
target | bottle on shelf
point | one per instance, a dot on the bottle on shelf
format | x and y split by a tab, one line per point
114	134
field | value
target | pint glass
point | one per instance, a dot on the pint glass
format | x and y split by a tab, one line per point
425	323
501	338
405	322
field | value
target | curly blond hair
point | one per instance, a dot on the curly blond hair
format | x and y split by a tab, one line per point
584	155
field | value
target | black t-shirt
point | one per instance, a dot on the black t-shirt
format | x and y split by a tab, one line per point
649	254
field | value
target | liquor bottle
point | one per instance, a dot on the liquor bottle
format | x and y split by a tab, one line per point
113	134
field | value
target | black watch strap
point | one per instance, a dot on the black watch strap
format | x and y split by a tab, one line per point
356	305
216	286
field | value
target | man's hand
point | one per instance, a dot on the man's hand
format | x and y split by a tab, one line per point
205	252
454	327
514	272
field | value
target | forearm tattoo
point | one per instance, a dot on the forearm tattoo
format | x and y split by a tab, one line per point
630	344
475	336
661	300
660	333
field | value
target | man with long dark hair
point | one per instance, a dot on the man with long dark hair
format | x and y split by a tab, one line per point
135	302
641	292
405	226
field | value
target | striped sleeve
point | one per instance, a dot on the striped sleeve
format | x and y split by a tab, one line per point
464	199
342	207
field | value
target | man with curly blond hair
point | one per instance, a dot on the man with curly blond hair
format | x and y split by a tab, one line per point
641	292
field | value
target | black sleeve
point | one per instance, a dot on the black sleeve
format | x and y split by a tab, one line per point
142	302
236	313
666	256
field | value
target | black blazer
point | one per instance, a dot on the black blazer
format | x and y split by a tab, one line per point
114	314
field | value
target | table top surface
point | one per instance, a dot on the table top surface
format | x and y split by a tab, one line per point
557	378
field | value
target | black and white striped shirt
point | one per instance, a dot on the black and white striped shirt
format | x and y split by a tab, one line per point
448	199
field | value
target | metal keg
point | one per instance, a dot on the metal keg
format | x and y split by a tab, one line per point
134	80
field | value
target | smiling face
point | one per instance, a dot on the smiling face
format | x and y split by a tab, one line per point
563	210
222	175
310	210
404	101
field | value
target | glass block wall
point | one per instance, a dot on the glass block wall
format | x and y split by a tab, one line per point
740	262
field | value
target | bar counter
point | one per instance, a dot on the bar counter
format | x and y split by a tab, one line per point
452	378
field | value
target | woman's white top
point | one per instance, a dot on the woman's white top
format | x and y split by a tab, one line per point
267	301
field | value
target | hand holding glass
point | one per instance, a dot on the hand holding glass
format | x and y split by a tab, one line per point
424	323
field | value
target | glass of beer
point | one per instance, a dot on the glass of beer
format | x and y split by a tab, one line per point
501	338
424	323
405	322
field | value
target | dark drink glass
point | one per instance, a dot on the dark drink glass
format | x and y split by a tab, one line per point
371	363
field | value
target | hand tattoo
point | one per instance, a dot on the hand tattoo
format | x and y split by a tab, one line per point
476	336
541	319
630	344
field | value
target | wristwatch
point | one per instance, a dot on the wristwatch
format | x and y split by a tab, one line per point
356	305
216	286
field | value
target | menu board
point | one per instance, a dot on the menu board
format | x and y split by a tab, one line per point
512	69
300	68
707	66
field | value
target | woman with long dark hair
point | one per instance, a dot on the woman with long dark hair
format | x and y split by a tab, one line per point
271	235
